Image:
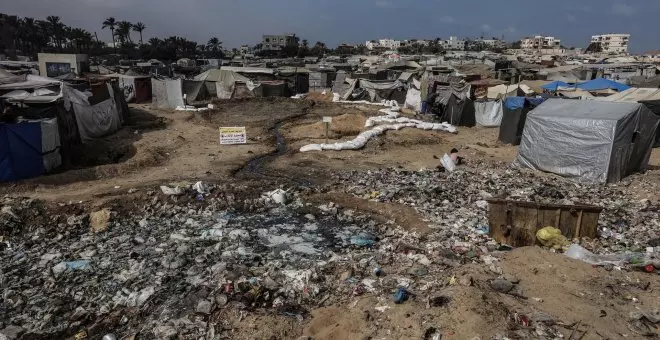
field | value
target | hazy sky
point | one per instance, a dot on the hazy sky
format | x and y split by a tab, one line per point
353	21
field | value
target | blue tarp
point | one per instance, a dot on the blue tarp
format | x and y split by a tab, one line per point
554	85
513	103
20	151
602	84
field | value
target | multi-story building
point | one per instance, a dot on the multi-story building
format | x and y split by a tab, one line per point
539	42
278	42
245	49
453	44
493	43
389	44
612	43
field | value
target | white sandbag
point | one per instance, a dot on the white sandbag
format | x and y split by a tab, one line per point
311	147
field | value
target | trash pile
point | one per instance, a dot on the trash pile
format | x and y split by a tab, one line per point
192	250
186	253
455	204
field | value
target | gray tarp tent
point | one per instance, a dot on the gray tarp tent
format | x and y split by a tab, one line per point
590	141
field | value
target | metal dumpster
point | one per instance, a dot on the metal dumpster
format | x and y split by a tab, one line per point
515	223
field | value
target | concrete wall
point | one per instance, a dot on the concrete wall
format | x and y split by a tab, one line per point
77	62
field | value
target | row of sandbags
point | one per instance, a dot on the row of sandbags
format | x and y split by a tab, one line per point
390	116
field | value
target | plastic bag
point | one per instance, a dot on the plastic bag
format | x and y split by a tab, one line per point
551	237
577	252
448	163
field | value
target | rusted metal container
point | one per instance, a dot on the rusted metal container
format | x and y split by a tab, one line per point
515	223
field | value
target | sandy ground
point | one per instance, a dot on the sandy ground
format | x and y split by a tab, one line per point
158	146
566	290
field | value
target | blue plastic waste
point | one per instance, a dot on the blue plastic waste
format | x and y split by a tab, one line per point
363	240
400	296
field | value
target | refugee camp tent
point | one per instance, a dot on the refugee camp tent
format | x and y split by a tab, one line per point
488	113
373	91
459	111
296	78
514	116
223	84
166	93
136	88
650	97
593	141
28	149
194	90
94	119
503	91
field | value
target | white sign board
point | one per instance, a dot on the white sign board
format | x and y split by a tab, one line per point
233	135
327	119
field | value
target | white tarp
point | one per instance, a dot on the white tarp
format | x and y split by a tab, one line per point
167	93
488	113
94	121
502	91
127	85
413	100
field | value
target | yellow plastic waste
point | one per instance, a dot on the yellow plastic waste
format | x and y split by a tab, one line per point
551	237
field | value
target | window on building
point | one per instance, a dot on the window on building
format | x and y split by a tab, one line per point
57	69
267	40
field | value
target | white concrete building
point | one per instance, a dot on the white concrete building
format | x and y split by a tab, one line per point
453	44
57	64
389	43
539	42
612	43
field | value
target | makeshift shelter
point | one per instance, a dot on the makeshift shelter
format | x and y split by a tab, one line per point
593	141
503	91
136	88
650	97
373	91
488	113
28	149
223	84
296	78
459	111
514	116
194	90
166	93
95	117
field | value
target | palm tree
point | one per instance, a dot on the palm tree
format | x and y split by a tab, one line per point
111	23
56	29
214	44
124	30
155	42
139	27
